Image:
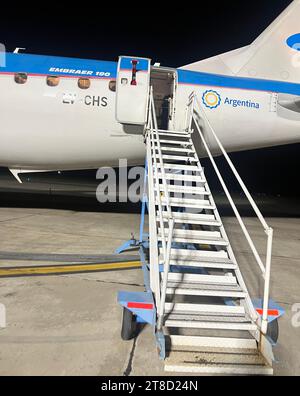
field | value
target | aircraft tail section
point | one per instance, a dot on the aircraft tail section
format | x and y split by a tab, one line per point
274	55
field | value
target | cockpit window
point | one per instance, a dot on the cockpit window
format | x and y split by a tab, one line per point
20	78
112	85
84	83
52	81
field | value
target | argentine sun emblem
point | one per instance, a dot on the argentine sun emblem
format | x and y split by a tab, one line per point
211	99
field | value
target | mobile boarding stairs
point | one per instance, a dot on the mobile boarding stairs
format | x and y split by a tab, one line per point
196	297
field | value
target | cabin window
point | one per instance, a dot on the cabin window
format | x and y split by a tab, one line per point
84	83
52	81
20	78
112	85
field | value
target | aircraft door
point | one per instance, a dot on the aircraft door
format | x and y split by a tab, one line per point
132	90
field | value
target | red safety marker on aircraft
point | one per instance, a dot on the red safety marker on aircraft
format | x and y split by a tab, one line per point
134	71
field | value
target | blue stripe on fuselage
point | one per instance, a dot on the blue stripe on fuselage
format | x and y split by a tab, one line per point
215	80
45	65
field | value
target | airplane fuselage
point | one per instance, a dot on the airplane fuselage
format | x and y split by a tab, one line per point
63	125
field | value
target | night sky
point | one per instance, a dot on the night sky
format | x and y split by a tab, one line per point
173	34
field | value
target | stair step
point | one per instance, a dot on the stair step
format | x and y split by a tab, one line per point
179	167
167	132
206	242
204	308
189	290
174	142
242	362
209	238
188	324
182	277
230	318
185	203
177	134
192	255
177	149
203	264
192	218
213	342
194	234
212	223
178	158
194	203
184	189
219	369
188	178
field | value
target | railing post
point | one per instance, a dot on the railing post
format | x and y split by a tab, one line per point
264	325
189	112
155	174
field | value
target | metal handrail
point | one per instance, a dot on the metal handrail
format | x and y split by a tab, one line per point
266	269
189	112
155	128
151	138
167	244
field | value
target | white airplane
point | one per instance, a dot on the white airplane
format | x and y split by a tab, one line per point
67	114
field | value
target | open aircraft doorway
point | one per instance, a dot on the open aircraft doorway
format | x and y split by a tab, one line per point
163	81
